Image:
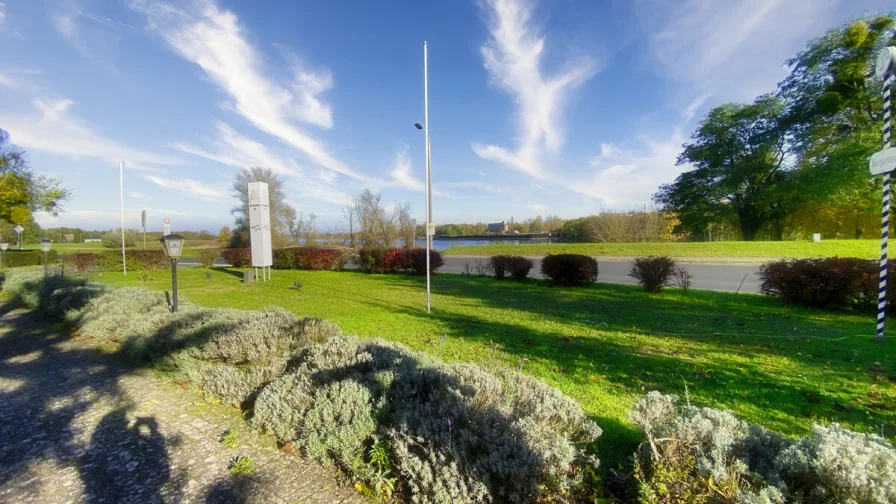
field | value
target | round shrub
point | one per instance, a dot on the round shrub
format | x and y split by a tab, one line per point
238	257
499	265
208	256
653	273
569	270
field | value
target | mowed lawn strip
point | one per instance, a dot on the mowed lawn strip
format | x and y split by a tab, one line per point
606	345
760	249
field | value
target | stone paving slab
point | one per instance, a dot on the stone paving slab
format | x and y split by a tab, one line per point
77	424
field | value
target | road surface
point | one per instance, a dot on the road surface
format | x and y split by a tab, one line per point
720	277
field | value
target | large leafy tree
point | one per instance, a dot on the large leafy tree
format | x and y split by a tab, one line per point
740	176
833	113
22	192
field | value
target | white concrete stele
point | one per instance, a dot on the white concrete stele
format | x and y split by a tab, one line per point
260	225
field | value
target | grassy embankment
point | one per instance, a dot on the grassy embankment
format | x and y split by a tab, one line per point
734	250
780	367
191	248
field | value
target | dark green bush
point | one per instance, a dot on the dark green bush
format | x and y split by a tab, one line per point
208	256
372	259
17	258
569	270
653	273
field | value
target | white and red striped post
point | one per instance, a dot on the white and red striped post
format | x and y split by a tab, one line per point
884	68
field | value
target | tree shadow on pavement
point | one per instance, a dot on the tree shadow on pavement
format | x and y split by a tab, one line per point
48	393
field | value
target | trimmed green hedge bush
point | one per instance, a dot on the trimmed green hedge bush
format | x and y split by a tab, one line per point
17	258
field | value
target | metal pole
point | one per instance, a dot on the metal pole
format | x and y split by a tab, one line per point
428	195
174	285
46	266
885	217
124	263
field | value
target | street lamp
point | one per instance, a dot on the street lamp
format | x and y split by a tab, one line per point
3	246
425	128
173	244
45	248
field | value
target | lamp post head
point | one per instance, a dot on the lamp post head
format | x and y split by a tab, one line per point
417	125
173	245
45	244
886	61
4	245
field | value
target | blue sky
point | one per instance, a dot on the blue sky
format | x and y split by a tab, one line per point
536	106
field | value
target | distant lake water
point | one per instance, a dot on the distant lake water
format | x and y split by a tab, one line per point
443	244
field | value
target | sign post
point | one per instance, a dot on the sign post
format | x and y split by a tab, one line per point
18	229
143	221
166	226
260	229
883	163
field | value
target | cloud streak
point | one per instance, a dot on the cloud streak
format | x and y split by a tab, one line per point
53	129
513	57
189	186
214	39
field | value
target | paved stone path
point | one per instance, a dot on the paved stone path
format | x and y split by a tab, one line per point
77	424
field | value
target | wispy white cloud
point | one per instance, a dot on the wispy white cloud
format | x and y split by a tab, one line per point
213	38
54	129
625	176
239	151
537	207
6	81
137	195
513	57
2	16
402	174
735	49
189	186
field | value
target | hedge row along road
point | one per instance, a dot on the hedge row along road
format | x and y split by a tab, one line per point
720	277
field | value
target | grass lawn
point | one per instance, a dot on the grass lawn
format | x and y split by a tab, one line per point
761	249
191	248
605	345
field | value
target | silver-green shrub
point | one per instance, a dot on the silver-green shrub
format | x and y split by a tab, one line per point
458	433
834	464
24	285
696	452
115	313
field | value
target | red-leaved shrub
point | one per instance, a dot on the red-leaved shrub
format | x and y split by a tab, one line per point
653	273
516	266
398	260
569	270
83	261
314	258
238	257
834	283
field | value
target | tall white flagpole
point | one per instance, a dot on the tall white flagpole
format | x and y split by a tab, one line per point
428	196
124	266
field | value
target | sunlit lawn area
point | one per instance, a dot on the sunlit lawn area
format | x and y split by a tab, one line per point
191	248
733	249
606	345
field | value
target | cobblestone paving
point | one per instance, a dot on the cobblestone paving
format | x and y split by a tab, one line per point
77	424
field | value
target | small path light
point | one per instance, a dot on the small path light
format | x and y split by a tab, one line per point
3	246
45	244
173	244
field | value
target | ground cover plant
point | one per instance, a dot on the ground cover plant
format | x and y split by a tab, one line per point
391	418
784	368
868	249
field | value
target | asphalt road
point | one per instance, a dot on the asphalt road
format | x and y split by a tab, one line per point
721	277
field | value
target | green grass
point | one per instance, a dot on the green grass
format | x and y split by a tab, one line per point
605	345
191	248
761	249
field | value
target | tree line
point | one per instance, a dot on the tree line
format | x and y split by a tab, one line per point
794	161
